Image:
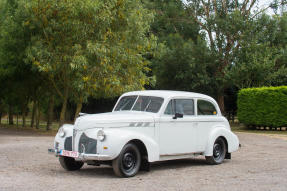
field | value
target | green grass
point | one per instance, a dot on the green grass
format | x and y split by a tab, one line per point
27	128
42	124
55	125
241	128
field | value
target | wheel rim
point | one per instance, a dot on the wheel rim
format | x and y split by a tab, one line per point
129	161
217	151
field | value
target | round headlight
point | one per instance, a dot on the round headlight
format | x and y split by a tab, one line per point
61	132
101	135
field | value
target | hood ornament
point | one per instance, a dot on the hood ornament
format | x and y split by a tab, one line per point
82	114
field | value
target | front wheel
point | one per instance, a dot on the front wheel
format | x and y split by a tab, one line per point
128	162
70	164
219	152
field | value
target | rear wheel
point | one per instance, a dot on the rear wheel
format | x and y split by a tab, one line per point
70	164
219	152
128	162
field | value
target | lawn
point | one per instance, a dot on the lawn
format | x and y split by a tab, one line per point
237	127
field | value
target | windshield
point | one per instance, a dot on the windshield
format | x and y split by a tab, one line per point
143	103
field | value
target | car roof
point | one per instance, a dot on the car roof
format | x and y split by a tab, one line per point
168	94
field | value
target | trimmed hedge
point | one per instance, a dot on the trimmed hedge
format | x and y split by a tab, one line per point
266	106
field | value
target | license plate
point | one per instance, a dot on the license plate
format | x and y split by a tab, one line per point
72	154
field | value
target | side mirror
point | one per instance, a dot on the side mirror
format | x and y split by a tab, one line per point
178	115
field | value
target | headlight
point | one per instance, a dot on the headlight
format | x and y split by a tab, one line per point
101	135
61	132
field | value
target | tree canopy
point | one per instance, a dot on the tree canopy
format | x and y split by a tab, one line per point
54	55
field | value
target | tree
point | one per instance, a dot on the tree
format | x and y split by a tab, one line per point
260	60
90	47
226	23
183	63
254	66
171	17
20	81
14	72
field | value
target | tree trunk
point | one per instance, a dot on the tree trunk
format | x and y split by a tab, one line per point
33	114
24	115
50	113
64	107
10	115
17	119
37	116
79	107
0	118
221	104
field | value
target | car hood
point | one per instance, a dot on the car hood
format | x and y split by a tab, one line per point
114	119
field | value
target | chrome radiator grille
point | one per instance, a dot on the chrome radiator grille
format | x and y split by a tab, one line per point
74	139
68	144
87	145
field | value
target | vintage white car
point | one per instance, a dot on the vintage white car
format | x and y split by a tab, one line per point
144	127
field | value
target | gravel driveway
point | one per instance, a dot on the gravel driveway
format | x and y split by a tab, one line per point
260	164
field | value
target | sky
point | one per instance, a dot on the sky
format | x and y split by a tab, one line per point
261	4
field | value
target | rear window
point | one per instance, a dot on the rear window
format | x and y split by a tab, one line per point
205	108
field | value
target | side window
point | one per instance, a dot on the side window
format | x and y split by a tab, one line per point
182	106
205	108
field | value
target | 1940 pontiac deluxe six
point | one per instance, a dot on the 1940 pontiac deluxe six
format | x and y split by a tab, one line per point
144	127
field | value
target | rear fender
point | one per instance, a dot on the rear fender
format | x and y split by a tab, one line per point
220	131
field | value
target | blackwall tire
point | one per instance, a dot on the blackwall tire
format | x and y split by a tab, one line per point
219	152
70	164
127	164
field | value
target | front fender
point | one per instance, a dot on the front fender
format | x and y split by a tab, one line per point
61	140
116	139
231	138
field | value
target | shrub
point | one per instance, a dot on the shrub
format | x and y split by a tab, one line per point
265	106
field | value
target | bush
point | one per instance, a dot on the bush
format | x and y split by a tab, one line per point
266	106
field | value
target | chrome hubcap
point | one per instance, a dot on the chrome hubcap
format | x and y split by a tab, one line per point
217	150
129	161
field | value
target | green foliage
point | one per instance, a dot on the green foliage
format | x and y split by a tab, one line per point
234	28
261	59
183	63
254	66
171	17
19	80
91	47
184	66
265	106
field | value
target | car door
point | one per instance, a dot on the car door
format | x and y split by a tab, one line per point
177	135
207	117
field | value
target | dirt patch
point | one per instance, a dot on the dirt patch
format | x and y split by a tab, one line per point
260	164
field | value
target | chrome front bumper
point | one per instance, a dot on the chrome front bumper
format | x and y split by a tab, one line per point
83	156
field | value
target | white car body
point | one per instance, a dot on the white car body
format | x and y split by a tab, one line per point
163	137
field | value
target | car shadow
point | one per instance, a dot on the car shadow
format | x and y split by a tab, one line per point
102	171
176	164
105	171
